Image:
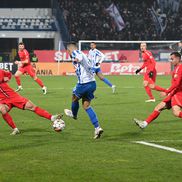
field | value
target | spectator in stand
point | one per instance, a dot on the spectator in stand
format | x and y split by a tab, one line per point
89	20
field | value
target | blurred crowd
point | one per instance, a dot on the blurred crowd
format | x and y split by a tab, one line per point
90	20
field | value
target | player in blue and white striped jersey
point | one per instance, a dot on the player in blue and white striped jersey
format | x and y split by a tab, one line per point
84	89
97	57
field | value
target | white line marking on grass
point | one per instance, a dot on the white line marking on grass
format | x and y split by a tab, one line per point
159	146
162	141
61	88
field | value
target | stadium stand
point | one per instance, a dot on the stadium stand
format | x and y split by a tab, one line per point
26	19
89	20
34	24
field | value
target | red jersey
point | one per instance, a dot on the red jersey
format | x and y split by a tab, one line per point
5	91
24	55
149	61
176	82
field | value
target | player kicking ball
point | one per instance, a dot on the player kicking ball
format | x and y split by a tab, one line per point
84	89
9	99
173	94
97	58
24	66
150	75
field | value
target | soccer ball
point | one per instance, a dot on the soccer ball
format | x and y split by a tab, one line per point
58	125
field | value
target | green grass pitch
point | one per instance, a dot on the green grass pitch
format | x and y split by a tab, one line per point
42	155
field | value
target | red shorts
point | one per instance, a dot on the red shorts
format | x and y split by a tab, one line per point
28	69
174	100
150	80
17	101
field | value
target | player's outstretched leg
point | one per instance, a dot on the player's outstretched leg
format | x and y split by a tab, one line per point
18	81
149	93
158	88
106	81
41	112
74	108
176	109
93	118
40	83
32	73
144	123
10	122
6	116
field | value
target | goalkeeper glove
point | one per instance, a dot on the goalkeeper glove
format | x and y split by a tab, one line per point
137	71
151	74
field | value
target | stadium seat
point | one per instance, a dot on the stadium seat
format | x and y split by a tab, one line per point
26	23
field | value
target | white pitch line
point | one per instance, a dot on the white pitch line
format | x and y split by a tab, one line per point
159	146
162	141
61	88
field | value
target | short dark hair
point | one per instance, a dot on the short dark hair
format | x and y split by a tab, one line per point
177	54
71	45
93	43
21	43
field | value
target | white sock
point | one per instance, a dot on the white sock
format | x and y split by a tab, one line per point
145	123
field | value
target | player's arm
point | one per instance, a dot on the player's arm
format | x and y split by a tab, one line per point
77	57
24	62
26	58
176	83
152	67
142	67
101	57
5	75
144	58
89	55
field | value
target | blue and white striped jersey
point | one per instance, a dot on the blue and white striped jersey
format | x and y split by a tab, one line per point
96	56
83	67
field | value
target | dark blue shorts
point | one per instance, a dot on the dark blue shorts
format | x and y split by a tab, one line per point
85	90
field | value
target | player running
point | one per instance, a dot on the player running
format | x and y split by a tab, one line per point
150	74
84	89
9	99
173	94
97	58
24	66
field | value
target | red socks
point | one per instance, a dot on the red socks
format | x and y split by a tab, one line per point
39	81
9	120
155	114
42	113
158	88
152	116
149	93
18	80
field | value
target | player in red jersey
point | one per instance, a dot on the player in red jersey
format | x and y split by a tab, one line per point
173	94
150	74
24	66
9	99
